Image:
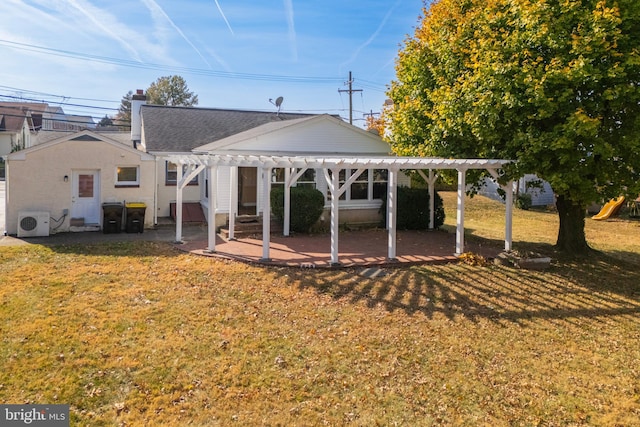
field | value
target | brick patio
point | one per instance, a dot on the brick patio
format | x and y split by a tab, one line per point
356	248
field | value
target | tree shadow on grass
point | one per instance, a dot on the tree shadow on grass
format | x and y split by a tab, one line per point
597	288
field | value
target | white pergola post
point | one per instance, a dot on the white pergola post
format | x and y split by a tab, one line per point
508	200
266	213
508	238
334	186
392	210
178	203
431	183
287	202
460	213
233	201
432	198
211	211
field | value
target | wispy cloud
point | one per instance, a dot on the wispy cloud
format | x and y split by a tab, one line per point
288	8
157	11
106	23
373	36
224	17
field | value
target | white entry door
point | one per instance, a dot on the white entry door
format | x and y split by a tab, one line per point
85	200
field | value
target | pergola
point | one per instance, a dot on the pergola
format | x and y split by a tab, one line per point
296	165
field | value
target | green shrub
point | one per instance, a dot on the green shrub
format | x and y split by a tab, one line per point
524	201
307	205
413	209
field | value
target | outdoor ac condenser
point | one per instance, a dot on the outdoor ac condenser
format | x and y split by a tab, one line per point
33	224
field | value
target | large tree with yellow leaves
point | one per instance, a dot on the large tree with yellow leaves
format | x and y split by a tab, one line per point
553	84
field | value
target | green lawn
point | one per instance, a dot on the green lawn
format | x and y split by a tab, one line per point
143	334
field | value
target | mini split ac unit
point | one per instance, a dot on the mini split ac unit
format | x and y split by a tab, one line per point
33	224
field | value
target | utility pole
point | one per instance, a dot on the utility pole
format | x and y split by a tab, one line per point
350	92
370	114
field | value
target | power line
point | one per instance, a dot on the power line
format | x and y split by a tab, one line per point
53	102
18	90
159	67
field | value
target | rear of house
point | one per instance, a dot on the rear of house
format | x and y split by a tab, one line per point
67	180
170	131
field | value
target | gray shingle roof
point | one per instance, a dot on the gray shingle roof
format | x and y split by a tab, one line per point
181	129
12	119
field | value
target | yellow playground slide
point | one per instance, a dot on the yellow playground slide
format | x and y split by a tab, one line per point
609	209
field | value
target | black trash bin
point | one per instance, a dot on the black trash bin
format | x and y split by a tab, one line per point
112	217
135	217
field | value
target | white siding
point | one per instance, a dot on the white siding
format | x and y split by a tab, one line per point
539	196
325	136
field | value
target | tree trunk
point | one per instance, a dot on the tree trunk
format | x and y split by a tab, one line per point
571	237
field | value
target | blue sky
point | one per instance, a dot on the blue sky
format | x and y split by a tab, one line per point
232	53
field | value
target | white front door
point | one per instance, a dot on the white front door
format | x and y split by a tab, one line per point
85	200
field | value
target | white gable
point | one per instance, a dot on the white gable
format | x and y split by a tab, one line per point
315	135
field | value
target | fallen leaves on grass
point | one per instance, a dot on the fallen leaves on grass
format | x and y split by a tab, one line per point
153	336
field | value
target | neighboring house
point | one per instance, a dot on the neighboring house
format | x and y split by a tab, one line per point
76	122
541	192
16	129
69	178
51	118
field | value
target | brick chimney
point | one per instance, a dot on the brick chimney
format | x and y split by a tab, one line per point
137	101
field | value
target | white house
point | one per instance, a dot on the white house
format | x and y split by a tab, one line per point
169	131
16	128
540	191
224	162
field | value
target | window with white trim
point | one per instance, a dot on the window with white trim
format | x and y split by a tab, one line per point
370	185
128	176
307	179
171	174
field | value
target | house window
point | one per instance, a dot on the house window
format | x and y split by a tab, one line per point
171	174
127	176
360	188
369	185
308	178
85	185
380	180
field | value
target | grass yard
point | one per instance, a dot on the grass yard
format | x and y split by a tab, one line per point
139	333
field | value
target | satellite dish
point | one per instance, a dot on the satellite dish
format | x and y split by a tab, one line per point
278	102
